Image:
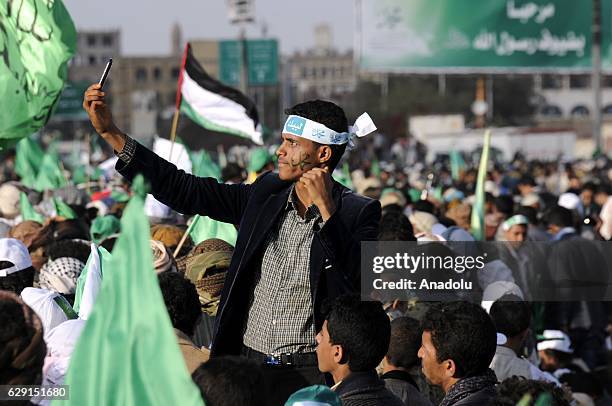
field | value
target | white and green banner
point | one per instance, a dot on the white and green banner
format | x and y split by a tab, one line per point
479	35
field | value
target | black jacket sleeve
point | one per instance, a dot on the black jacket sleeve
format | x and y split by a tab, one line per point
185	193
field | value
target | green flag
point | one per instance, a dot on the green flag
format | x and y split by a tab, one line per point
203	165
37	39
457	164
63	210
27	210
203	227
478	215
79	175
128	353
50	175
28	158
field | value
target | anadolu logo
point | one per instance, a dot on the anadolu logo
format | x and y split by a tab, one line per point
295	125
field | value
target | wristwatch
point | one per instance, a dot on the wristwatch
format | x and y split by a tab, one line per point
128	150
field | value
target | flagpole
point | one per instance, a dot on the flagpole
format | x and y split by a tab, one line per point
184	237
173	132
177	107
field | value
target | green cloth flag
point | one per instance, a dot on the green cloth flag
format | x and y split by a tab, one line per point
37	39
50	175
28	158
203	165
27	210
457	164
478	215
128	353
63	210
79	175
203	227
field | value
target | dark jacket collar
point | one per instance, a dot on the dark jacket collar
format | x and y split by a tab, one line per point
399	375
359	381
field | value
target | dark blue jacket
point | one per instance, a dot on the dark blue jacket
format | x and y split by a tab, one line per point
335	251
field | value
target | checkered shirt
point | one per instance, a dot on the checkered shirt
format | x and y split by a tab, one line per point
280	318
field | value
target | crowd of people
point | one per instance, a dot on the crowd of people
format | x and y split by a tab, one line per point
274	317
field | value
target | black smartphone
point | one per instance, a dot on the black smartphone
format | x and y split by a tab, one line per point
105	73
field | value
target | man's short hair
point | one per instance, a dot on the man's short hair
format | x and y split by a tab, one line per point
559	216
230	381
511	315
182	301
17	281
463	332
331	116
513	389
395	226
361	328
405	342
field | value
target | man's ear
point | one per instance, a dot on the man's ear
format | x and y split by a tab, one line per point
339	354
324	153
450	368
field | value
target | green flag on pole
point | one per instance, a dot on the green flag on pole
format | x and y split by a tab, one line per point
28	158
478	215
203	227
63	210
50	175
37	39
27	210
128	353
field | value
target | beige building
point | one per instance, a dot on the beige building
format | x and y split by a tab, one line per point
321	71
94	48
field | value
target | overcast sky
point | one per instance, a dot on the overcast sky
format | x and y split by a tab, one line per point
145	24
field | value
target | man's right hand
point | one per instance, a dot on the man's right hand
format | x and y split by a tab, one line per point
101	118
99	114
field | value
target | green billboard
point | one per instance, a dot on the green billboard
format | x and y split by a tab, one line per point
262	62
479	35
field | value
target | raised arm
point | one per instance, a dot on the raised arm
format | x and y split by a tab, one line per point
182	192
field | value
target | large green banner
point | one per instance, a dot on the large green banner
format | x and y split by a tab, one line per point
479	35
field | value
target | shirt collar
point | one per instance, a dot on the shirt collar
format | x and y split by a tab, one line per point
312	212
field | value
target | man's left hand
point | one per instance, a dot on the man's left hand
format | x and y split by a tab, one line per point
318	184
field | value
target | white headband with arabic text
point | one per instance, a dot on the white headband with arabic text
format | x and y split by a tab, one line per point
317	132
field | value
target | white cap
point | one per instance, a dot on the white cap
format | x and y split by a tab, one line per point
571	201
498	289
501	339
14	251
555	340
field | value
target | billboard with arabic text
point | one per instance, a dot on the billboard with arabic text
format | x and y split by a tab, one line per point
479	35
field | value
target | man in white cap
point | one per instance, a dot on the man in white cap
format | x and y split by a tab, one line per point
16	271
512	319
556	354
298	241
